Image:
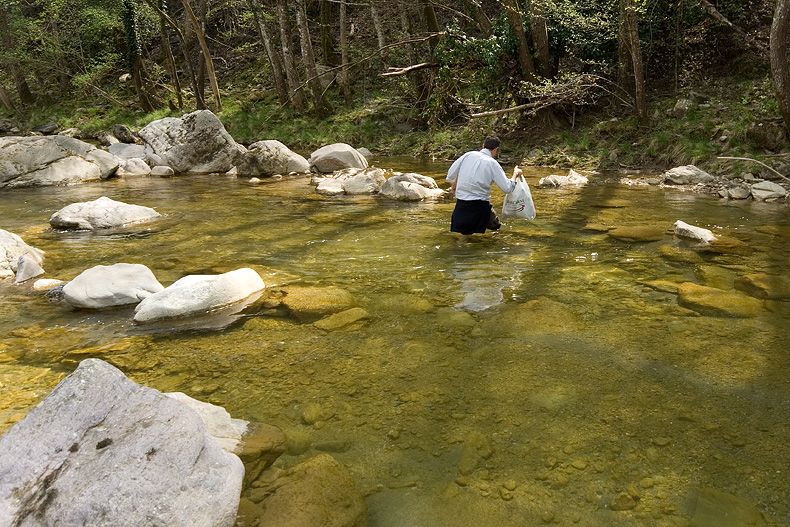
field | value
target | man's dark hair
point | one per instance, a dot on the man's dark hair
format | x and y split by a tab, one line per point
491	142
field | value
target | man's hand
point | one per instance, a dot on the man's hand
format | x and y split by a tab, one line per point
516	172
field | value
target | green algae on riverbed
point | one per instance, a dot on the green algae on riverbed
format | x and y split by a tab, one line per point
586	394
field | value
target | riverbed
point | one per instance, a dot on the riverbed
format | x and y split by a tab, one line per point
538	375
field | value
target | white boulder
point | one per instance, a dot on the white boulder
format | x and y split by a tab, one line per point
101	213
768	190
687	175
219	424
111	285
134	167
411	187
270	157
197	294
12	248
103	450
330	187
337	156
196	142
53	160
26	268
684	230
573	179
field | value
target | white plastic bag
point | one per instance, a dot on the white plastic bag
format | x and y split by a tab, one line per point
518	204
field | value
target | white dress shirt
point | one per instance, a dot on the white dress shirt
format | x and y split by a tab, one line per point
475	171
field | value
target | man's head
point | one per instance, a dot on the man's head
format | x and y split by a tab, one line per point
491	143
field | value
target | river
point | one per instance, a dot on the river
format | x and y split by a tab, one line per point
541	374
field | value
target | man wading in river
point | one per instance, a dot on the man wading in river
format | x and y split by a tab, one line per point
471	176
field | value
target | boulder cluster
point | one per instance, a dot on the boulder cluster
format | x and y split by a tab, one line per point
196	143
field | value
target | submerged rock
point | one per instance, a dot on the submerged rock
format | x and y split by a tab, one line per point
713	507
717	302
637	233
101	213
53	160
103	450
311	303
319	492
111	285
762	285
198	294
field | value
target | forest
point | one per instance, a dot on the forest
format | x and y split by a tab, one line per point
598	83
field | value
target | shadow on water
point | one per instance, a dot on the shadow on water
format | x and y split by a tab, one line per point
536	375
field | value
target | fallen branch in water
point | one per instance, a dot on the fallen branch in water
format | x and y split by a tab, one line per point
759	163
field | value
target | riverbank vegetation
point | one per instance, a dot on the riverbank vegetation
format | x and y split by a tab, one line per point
571	83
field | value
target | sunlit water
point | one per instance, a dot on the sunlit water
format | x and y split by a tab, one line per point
529	376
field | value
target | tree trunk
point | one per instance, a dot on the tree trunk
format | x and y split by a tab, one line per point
540	37
201	74
172	71
480	16
320	104
344	81
206	56
26	97
431	22
524	55
328	47
374	14
417	78
636	59
780	67
625	67
133	58
271	52
292	76
200	104
5	99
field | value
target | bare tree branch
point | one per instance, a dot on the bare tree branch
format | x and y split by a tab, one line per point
759	163
394	72
721	18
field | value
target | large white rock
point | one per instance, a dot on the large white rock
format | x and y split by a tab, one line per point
111	285
198	294
12	247
684	230
101	213
26	268
768	190
364	181
330	187
687	175
337	156
227	431
52	160
134	167
103	450
411	187
573	179
196	142
270	157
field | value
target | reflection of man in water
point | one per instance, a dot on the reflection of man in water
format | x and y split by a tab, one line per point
471	176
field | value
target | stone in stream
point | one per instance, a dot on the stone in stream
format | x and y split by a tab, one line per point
198	294
111	285
26	268
716	302
196	142
53	160
309	304
684	230
573	179
267	158
411	187
686	175
101	213
103	450
318	492
12	248
638	233
714	507
337	156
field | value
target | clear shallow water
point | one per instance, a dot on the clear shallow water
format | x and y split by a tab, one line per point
563	379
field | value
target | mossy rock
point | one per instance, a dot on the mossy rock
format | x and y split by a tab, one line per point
717	302
638	233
